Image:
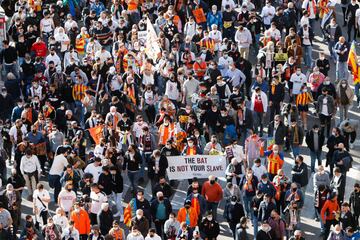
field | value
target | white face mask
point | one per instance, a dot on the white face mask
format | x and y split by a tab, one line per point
196	195
233	203
138	217
276	152
209	218
264	181
191	144
298	72
343	84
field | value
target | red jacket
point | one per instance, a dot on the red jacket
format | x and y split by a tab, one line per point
39	48
212	193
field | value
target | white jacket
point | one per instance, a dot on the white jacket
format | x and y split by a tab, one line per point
264	100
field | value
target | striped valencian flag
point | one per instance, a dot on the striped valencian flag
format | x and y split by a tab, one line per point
129	212
352	60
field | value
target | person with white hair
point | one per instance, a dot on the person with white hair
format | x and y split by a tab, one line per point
113	117
60	218
105	218
62	38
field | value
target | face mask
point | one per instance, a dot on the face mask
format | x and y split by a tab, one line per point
233	202
304	90
264	181
316	72
294	189
20	105
161	198
327	82
223	114
209	218
212	181
77	210
276	152
196	195
197	135
226	56
343	85
191	144
138	217
214	11
298	73
187	206
334	133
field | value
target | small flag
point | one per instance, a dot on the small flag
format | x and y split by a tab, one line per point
96	133
352	60
152	48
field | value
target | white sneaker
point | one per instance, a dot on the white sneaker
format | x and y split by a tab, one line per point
351	146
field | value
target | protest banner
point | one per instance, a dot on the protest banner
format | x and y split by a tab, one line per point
96	133
200	166
199	15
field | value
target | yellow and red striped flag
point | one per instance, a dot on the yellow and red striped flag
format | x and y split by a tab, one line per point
352	60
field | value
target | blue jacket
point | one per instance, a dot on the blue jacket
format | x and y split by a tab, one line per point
264	86
341	47
214	19
267	188
97	8
16	113
355	236
202	202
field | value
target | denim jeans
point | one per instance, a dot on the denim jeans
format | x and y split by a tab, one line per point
357	92
255	225
117	199
331	45
343	111
307	56
80	112
212	206
10	68
133	177
295	150
342	71
258	122
145	162
54	182
315	156
247	206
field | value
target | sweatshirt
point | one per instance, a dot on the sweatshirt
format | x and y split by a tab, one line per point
212	193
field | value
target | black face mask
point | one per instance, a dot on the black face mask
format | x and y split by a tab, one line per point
161	198
187	206
294	189
212	181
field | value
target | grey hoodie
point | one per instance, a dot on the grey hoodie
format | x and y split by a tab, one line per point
320	179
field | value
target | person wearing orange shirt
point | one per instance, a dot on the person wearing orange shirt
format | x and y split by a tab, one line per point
81	220
199	68
330	213
213	193
275	160
188	214
166	131
191	148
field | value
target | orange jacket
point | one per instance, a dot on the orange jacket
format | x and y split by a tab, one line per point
81	221
181	217
329	208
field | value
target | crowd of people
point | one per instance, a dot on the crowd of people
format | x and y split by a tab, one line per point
91	110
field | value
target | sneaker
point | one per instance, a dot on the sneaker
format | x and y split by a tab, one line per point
317	219
351	146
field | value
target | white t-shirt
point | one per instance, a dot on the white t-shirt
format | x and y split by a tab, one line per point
62	38
298	82
96	200
95	171
267	13
325	110
41	194
172	90
62	221
137	128
67	199
58	165
13	132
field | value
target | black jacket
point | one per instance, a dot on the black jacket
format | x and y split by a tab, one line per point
300	175
265	210
338	32
105	221
278	95
166	189
132	165
233	213
310	140
8	55
248	122
354	202
117	183
163	165
339	187
280	133
300	134
154	205
347	220
209	229
263	235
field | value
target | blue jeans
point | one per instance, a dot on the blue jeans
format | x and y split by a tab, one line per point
341	71
133	177
307	56
117	199
331	45
145	161
295	150
80	112
247	205
212	206
357	92
54	182
255	225
10	68
314	156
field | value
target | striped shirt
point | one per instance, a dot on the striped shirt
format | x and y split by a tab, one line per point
102	35
303	99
